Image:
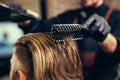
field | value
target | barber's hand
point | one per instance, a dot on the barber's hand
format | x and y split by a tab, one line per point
17	7
97	27
26	15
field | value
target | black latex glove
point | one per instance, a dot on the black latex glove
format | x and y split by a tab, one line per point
17	7
14	12
97	27
22	12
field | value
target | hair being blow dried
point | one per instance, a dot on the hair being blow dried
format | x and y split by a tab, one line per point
49	60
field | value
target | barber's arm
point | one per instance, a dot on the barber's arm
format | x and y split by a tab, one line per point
35	25
99	29
109	45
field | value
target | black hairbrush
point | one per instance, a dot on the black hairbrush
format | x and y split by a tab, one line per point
61	31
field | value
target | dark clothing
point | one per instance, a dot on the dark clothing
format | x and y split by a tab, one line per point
103	65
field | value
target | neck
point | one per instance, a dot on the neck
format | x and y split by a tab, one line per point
98	4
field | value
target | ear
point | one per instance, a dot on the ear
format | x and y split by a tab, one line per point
22	75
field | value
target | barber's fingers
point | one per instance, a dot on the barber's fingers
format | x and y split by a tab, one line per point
95	27
89	20
107	28
102	27
92	20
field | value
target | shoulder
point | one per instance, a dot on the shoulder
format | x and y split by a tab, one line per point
115	14
114	20
114	17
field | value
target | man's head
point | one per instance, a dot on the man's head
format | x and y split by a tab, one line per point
37	57
91	3
20	64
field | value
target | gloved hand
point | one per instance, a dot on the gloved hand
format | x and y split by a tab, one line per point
15	13
97	27
17	7
23	14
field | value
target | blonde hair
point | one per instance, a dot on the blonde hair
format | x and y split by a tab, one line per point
44	59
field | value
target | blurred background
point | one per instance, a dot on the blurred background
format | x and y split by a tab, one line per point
55	7
46	9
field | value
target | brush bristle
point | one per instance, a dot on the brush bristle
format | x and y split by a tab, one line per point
61	31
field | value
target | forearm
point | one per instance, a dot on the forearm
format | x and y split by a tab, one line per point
109	45
25	23
29	26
